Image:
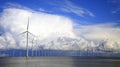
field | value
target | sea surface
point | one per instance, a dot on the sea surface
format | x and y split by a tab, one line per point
59	62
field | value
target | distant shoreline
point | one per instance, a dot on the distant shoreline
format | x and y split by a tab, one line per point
77	57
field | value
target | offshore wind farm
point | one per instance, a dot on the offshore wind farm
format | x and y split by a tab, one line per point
30	57
30	51
63	33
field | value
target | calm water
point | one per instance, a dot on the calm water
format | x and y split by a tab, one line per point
58	62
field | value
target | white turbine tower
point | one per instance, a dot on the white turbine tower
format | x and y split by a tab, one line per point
27	39
27	35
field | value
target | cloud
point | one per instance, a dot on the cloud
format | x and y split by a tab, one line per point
107	30
55	32
15	5
117	11
7	41
41	9
69	7
63	5
116	6
101	32
42	25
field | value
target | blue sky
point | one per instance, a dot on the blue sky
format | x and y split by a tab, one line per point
103	11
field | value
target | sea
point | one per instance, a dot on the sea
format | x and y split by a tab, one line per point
62	61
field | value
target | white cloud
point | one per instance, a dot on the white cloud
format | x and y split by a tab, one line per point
41	9
7	41
71	7
42	25
55	32
106	32
15	5
2	43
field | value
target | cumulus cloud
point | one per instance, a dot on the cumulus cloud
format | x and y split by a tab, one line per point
100	31
106	34
50	31
42	25
7	41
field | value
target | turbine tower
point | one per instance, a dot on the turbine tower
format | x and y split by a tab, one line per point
27	35
27	39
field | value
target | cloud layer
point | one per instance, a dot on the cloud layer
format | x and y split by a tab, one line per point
55	32
14	21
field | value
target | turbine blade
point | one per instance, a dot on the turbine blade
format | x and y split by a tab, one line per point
31	34
23	32
28	24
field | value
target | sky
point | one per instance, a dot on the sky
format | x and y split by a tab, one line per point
83	11
89	21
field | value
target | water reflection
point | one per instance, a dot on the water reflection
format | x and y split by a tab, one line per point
58	62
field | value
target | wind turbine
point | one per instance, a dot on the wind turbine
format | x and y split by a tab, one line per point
27	35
